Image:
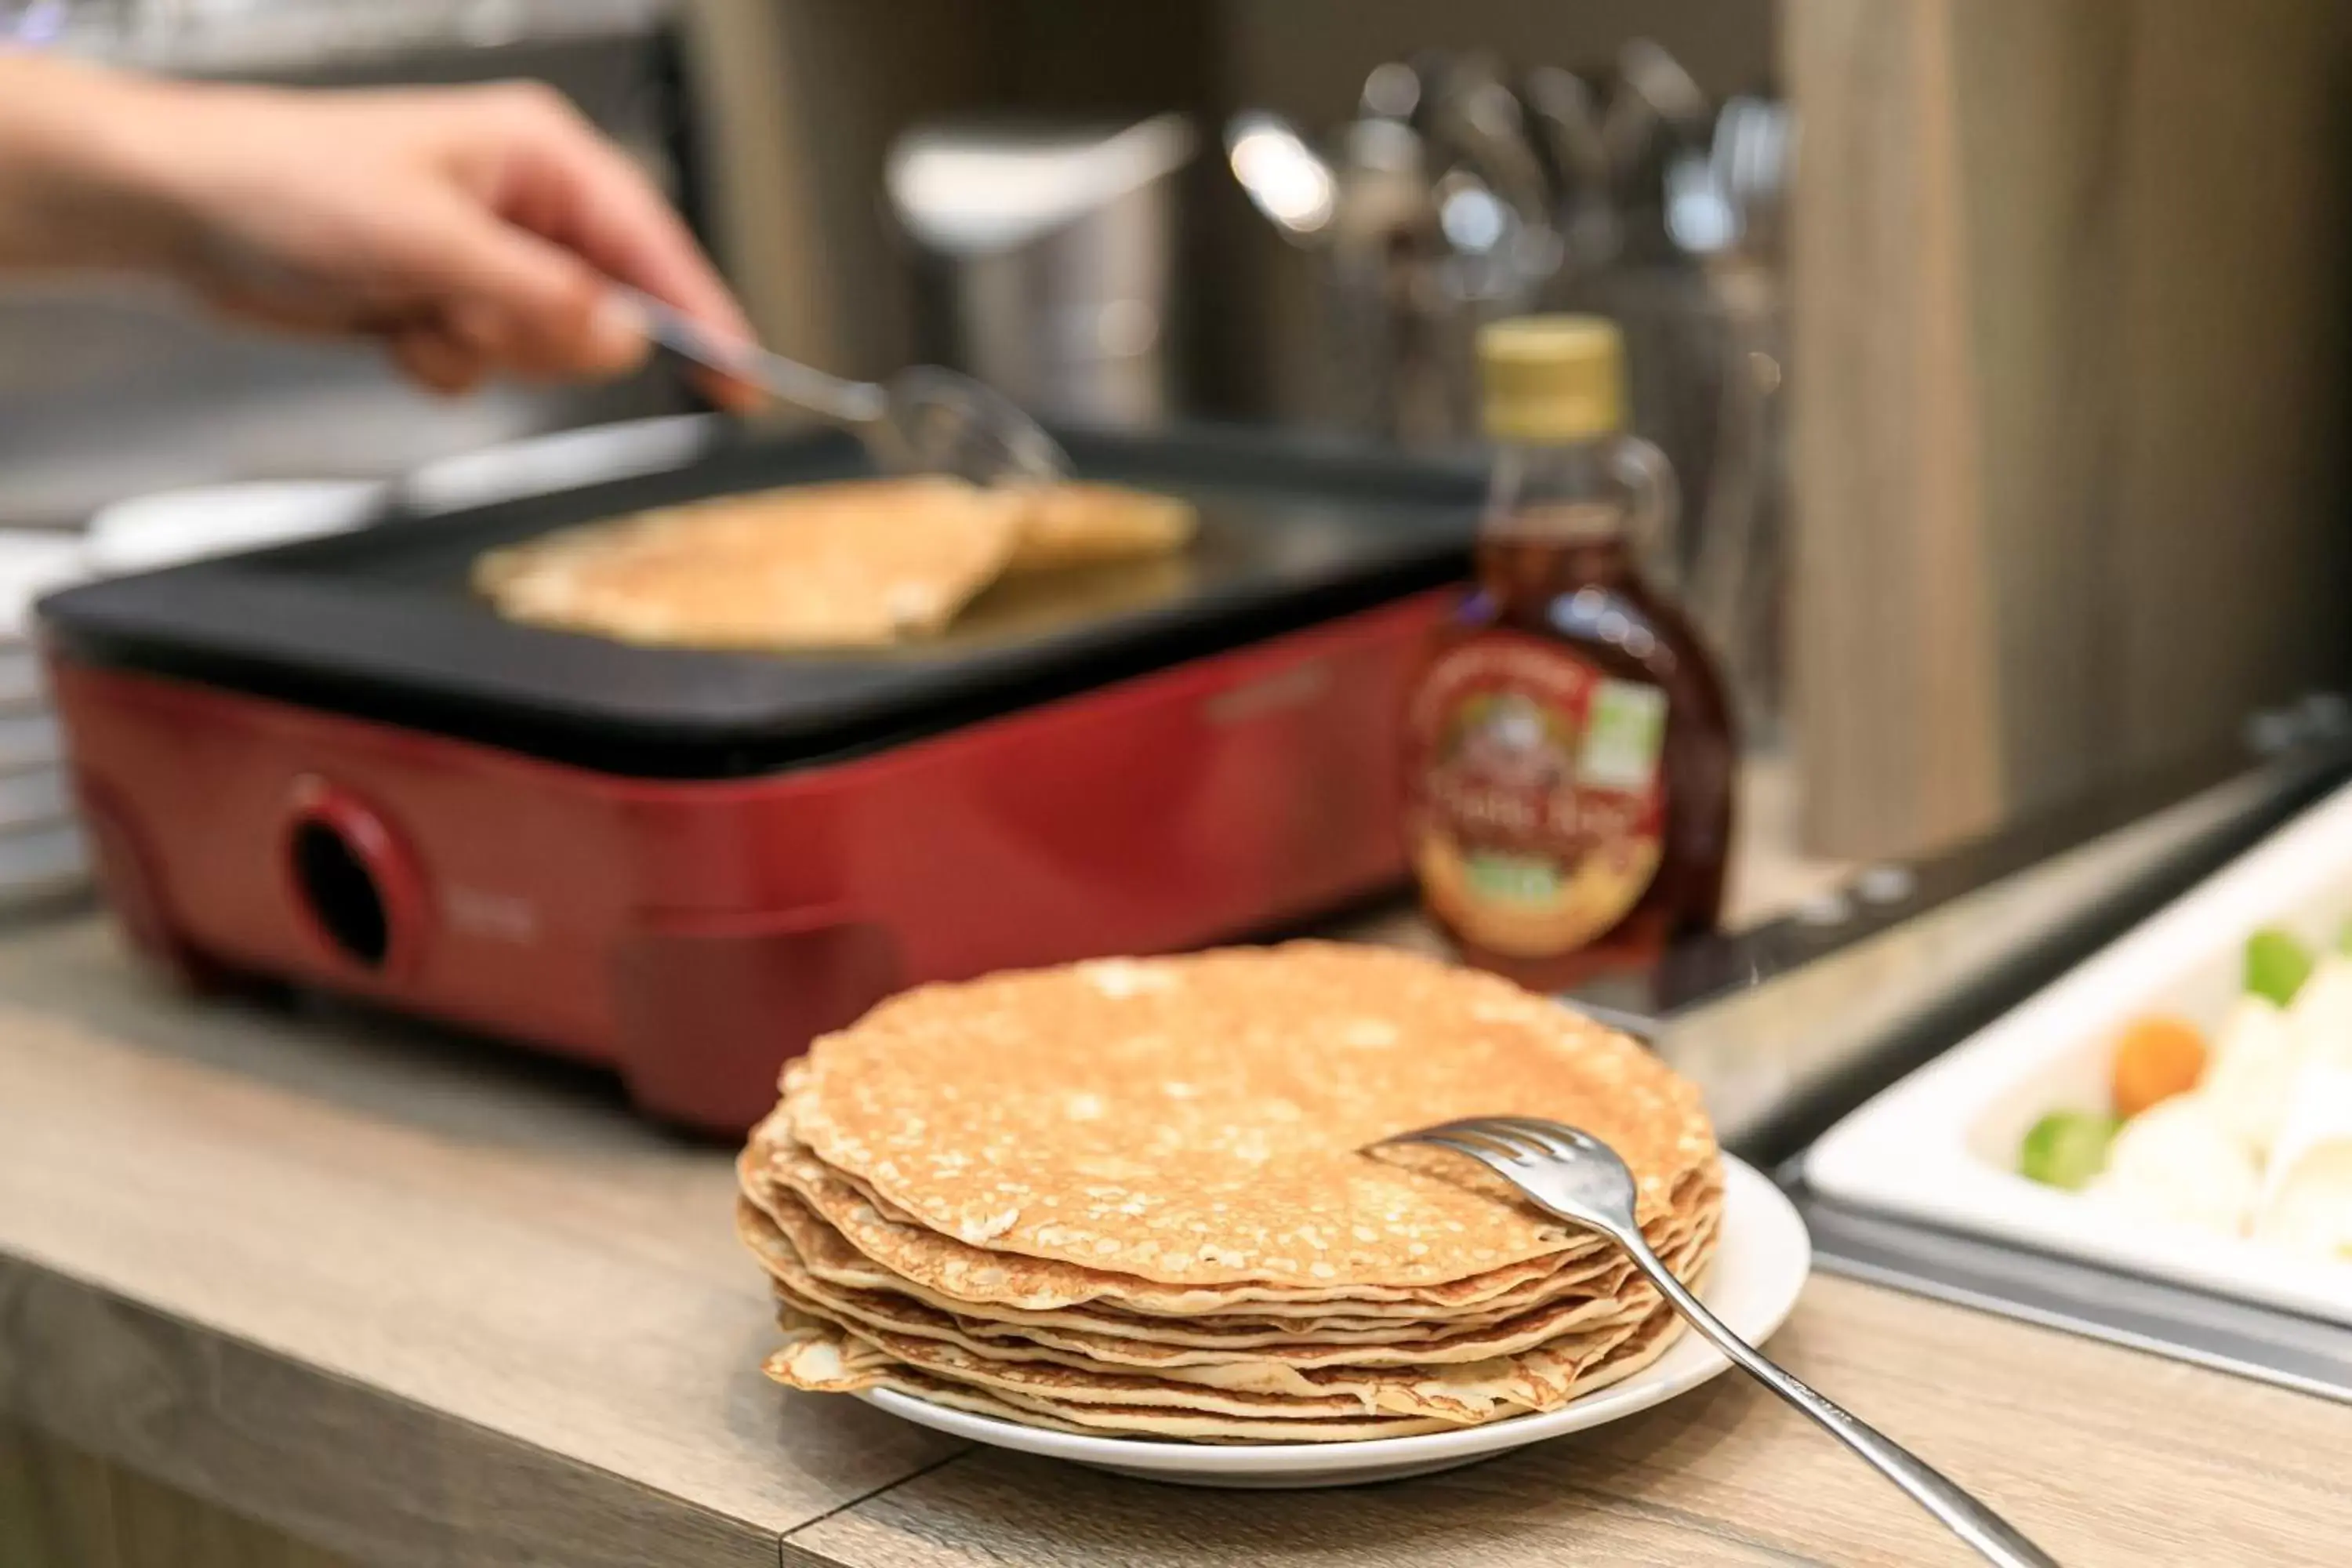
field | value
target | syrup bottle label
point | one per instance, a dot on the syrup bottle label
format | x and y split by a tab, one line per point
1539	804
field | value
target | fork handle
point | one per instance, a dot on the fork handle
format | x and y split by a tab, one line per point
1993	1537
788	381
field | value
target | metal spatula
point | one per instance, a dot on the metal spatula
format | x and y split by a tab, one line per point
927	420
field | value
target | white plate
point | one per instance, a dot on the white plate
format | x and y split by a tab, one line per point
32	563
1761	1266
169	527
1941	1146
564	460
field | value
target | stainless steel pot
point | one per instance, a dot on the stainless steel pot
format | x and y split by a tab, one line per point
1049	260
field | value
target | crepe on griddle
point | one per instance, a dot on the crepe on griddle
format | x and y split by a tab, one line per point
857	564
841	565
1081	523
1131	1196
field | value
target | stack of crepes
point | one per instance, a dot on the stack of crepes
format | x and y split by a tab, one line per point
1133	1197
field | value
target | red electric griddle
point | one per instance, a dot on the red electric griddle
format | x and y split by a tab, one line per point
329	762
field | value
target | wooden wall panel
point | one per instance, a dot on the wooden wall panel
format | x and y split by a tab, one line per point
2233	551
1892	685
2069	305
2041	255
805	96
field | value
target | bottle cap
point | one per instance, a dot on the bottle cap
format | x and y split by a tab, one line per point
1552	378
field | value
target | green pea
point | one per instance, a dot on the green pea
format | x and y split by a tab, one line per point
2276	965
2067	1148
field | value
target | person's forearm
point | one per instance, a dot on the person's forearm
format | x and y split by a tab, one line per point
76	186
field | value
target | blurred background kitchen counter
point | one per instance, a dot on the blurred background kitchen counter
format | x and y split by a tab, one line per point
2051	483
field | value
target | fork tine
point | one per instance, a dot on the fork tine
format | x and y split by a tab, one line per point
1552	1137
1518	1137
1470	1132
1487	1128
1492	1158
1496	1147
1485	1132
1469	1123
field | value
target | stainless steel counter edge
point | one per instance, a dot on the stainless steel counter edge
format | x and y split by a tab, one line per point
1782	1058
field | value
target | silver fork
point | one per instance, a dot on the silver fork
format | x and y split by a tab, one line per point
1581	1179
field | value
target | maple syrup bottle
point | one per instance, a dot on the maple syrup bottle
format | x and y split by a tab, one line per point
1570	761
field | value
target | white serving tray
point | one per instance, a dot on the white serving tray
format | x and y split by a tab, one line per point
1940	1147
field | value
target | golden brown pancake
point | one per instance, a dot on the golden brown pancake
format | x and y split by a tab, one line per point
856	564
1082	523
1202	1120
859	563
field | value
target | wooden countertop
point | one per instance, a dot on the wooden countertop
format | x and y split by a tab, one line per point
413	1299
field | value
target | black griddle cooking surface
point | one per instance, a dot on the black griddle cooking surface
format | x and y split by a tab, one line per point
381	624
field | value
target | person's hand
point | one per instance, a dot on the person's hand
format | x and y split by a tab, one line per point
474	230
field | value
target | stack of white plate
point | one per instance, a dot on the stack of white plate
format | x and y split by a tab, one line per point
41	851
43	855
